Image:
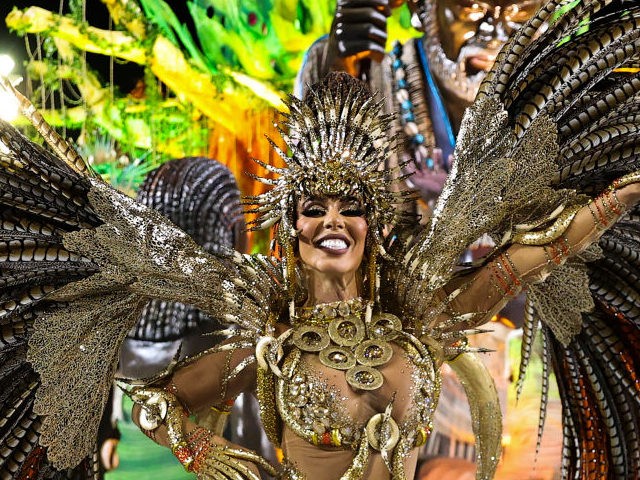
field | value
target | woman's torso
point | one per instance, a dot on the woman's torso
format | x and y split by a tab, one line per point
326	402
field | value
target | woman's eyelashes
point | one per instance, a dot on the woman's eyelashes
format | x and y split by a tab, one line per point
352	212
313	212
316	212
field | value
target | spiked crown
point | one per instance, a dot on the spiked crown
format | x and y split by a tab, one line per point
338	142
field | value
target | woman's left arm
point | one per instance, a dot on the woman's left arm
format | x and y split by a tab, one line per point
504	277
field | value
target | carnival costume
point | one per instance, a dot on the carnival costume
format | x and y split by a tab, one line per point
550	141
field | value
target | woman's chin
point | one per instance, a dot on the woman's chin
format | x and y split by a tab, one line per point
336	267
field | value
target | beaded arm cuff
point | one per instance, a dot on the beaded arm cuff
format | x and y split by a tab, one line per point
505	277
557	243
605	209
557	251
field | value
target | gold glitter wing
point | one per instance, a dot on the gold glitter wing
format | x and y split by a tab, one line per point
79	262
556	120
201	197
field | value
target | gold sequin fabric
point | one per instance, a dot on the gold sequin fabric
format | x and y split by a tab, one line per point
469	207
141	255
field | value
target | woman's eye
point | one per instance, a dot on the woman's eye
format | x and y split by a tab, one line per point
353	212
313	212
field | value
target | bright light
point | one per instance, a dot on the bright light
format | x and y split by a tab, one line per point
10	107
6	65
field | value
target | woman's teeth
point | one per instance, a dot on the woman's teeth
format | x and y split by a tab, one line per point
333	244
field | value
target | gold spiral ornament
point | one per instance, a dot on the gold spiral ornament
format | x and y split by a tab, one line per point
373	431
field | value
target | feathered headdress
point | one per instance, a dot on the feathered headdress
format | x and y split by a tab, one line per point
338	142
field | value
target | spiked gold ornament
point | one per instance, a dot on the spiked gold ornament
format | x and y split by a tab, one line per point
338	142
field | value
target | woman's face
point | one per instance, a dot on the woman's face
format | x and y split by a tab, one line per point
332	233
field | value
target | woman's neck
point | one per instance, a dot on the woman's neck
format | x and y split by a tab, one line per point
326	289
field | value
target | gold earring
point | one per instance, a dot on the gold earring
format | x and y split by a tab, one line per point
291	266
373	275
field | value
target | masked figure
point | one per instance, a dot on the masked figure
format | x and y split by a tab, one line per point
342	337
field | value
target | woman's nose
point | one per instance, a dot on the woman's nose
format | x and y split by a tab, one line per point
333	219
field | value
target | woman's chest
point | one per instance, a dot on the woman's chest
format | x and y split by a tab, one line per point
327	406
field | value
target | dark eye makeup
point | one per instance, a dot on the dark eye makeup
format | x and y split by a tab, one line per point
313	211
316	208
352	211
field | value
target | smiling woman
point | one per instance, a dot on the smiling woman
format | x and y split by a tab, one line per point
347	375
348	380
332	233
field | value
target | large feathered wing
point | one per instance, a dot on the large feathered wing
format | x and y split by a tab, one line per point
556	120
34	240
597	371
79	262
200	196
583	75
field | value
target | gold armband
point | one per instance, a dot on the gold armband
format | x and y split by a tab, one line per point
628	179
549	234
161	407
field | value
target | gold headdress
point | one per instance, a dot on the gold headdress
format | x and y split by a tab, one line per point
338	141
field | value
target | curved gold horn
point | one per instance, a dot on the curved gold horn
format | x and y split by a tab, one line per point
486	415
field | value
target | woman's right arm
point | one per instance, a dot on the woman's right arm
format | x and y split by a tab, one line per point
209	382
488	289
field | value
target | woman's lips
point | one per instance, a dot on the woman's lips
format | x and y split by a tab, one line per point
335	245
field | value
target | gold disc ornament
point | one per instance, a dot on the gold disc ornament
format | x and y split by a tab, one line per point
373	353
338	358
347	331
364	378
310	338
385	326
